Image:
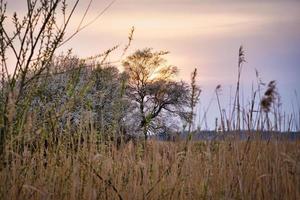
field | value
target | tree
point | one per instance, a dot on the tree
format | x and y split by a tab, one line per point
153	91
77	92
30	47
27	47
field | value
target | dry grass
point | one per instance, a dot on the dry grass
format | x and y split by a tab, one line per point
158	170
43	157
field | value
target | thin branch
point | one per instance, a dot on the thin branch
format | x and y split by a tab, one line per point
88	24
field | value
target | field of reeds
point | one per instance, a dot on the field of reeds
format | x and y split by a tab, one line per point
78	128
228	169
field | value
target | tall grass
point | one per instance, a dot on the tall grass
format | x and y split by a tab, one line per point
62	132
262	111
82	167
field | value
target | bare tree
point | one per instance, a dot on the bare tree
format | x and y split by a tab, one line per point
153	90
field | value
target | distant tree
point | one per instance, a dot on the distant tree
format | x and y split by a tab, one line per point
75	89
153	90
108	99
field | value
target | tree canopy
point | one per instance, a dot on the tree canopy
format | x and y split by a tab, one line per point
153	90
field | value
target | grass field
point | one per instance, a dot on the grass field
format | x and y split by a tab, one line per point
119	126
154	170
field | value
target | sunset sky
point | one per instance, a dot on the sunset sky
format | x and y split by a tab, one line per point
202	33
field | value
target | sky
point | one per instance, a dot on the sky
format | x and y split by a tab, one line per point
205	34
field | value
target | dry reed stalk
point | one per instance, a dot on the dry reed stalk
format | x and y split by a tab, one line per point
227	169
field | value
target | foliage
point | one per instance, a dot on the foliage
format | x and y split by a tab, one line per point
29	48
152	89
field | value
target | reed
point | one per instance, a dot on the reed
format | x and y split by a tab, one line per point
230	169
67	126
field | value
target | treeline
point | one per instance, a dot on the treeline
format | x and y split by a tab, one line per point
43	95
74	96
